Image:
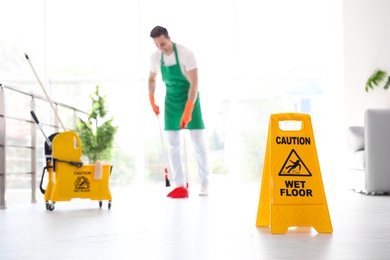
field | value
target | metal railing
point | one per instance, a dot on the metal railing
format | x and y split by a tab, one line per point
52	122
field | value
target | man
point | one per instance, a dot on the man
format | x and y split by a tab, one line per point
179	71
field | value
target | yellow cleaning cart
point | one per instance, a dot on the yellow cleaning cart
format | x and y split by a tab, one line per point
68	177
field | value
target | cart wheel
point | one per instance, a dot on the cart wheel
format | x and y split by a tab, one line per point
47	204
109	205
100	203
51	207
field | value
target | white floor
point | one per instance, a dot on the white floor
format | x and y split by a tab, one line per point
144	224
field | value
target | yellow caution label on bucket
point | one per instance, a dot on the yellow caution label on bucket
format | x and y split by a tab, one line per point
73	182
292	192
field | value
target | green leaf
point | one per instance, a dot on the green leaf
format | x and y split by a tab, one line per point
387	85
376	78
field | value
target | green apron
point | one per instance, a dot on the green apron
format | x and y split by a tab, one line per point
177	87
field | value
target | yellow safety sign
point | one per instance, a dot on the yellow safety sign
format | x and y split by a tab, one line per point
292	192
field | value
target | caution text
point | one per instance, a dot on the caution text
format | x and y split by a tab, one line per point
293	140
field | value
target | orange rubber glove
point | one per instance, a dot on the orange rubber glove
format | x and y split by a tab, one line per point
187	114
155	108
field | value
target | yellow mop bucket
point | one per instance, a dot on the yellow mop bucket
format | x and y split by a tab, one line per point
69	178
292	191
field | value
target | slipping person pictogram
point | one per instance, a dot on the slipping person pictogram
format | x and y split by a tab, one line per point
293	166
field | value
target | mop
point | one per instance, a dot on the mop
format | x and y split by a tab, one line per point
181	192
167	183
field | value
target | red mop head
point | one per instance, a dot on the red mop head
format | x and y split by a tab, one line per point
178	193
167	183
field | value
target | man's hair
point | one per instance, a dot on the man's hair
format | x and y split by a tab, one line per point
158	31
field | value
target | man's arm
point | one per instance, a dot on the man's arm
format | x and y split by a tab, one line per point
152	82
152	88
192	76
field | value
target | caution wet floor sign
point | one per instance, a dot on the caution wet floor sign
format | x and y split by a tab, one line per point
292	192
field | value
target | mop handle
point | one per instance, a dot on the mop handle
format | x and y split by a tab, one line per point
162	141
37	122
44	90
185	156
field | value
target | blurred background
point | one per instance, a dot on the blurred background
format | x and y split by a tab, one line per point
255	58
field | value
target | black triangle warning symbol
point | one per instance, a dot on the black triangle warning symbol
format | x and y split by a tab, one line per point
294	166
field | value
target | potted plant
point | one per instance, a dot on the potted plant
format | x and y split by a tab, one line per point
97	132
376	78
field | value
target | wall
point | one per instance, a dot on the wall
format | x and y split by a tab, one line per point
366	47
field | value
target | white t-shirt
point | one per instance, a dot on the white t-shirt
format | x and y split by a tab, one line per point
186	57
